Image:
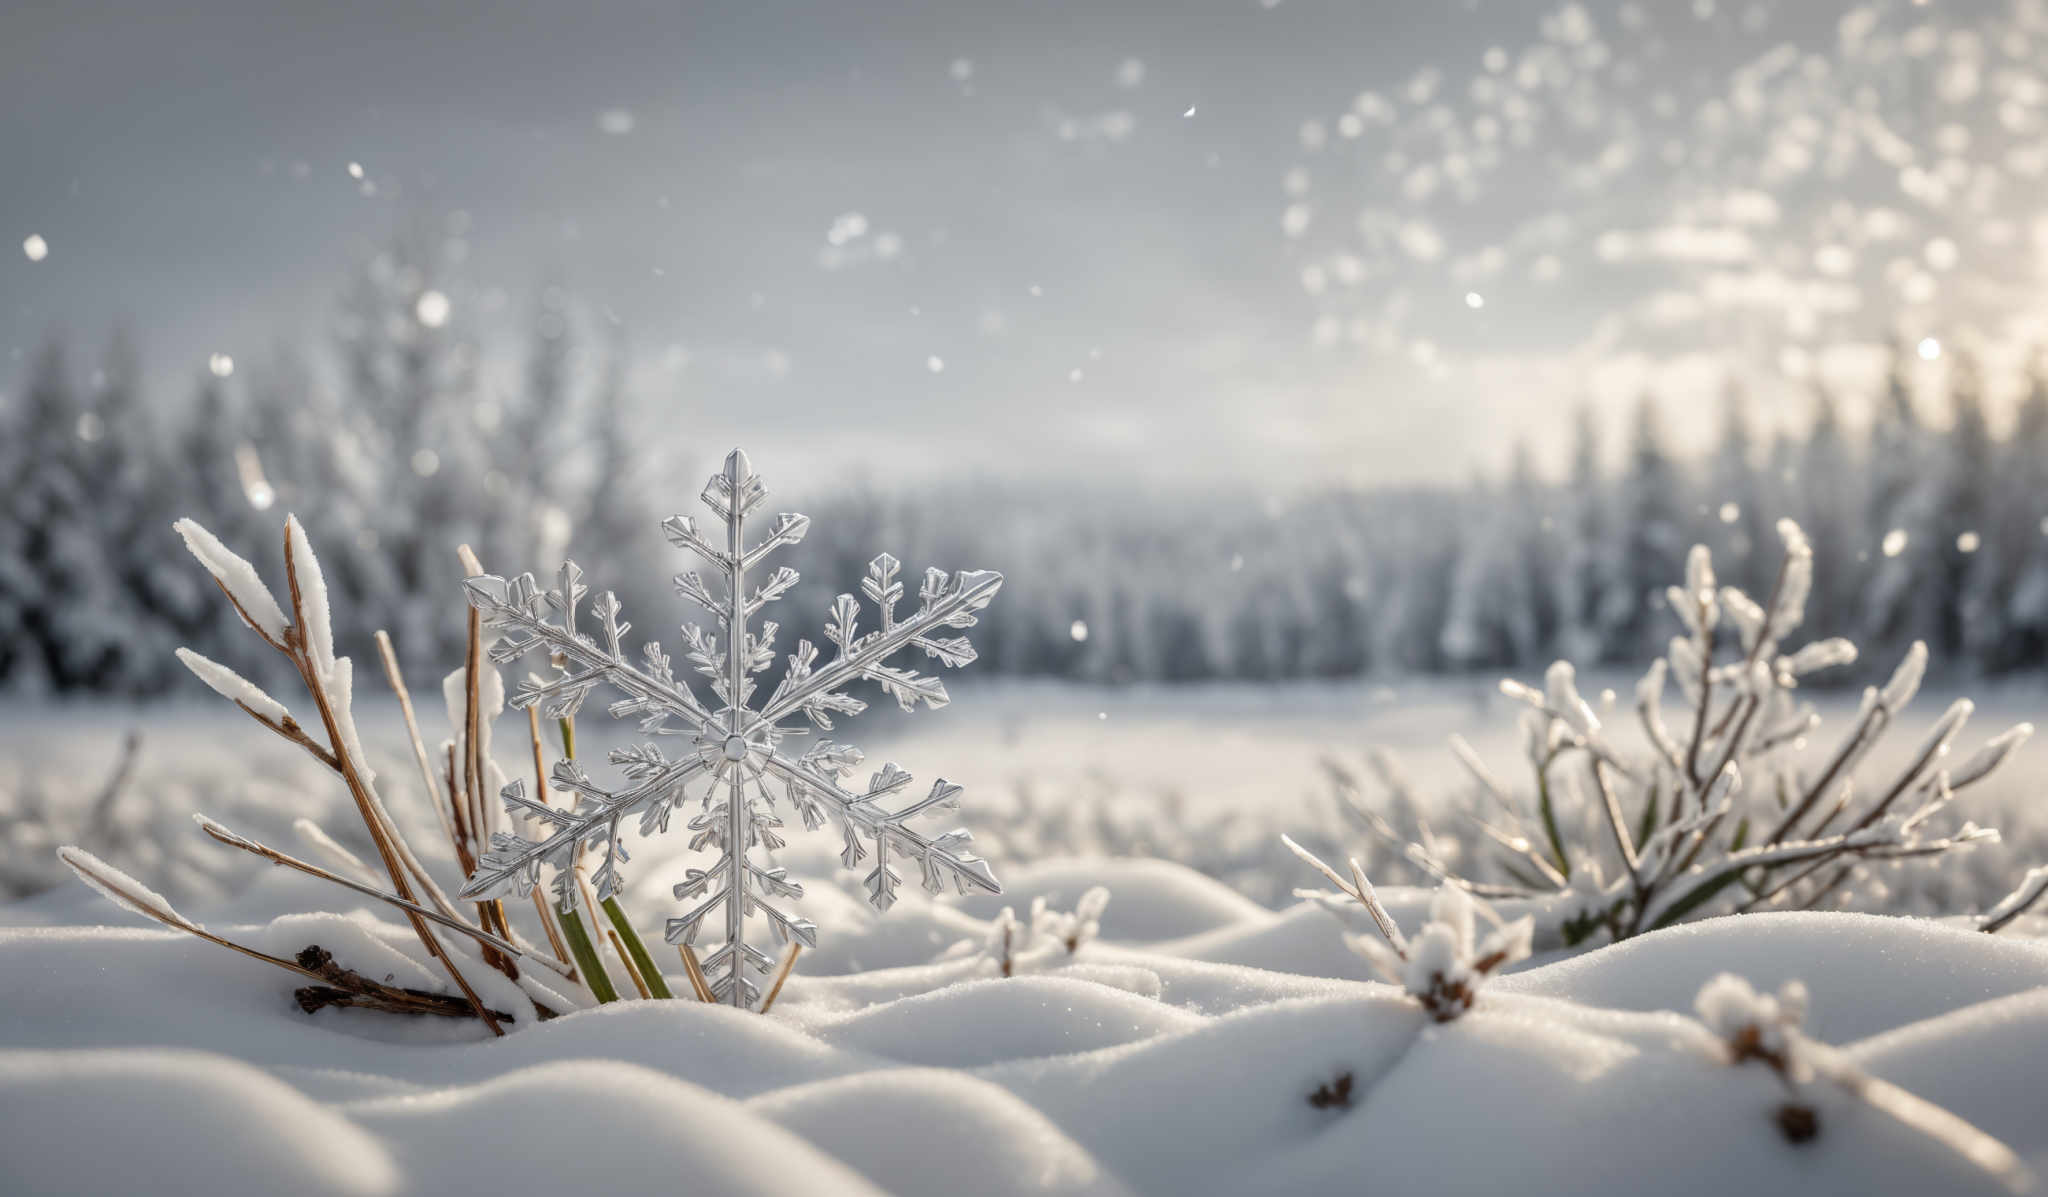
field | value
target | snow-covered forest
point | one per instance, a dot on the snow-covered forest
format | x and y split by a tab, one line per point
1931	522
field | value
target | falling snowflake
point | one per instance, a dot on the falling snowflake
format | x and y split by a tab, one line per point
737	750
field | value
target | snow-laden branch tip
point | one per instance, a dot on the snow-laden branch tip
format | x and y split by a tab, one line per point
124	891
234	687
244	587
309	592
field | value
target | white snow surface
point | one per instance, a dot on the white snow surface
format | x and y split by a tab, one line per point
1174	1055
1145	1066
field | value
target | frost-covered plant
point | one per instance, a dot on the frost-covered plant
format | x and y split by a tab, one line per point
1731	808
731	744
1769	1029
1075	929
1014	947
2028	893
1446	962
305	637
33	821
1758	1026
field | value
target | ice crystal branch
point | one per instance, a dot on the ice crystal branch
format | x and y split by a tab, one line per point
734	754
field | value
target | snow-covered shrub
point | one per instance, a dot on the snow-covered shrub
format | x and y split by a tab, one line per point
1727	804
1049	939
1446	962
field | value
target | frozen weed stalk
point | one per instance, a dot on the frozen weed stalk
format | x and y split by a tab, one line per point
1447	961
1728	810
483	949
1768	1029
733	750
1014	947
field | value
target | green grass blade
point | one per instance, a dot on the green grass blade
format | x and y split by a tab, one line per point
587	962
650	975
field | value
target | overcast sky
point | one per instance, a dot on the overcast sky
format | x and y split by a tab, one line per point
1356	240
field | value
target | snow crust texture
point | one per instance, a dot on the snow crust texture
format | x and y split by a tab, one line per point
1181	1065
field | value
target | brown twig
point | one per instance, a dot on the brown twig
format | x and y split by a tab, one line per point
284	859
396	680
782	972
695	971
347	987
100	821
289	728
359	789
632	974
540	794
491	911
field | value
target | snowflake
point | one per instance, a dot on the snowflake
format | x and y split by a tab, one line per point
734	749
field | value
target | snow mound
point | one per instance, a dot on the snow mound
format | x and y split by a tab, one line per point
1004	1144
1149	899
1228	1054
1868	973
981	1022
189	1123
597	1125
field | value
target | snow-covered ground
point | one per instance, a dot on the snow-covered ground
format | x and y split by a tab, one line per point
1176	1055
1208	776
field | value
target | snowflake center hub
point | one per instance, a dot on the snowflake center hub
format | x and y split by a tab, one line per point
735	748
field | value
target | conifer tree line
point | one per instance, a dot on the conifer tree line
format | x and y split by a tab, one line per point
402	458
1925	524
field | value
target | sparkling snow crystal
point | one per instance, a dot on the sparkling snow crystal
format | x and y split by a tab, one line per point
737	751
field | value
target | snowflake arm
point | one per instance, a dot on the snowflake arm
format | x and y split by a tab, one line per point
516	610
512	865
940	858
948	603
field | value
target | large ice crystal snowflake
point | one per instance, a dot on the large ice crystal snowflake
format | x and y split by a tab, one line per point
735	749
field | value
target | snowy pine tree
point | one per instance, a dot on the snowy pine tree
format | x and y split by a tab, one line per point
1650	537
220	480
1899	512
1502	606
1587	562
1966	577
410	479
1738	508
127	471
1825	487
60	585
2008	584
